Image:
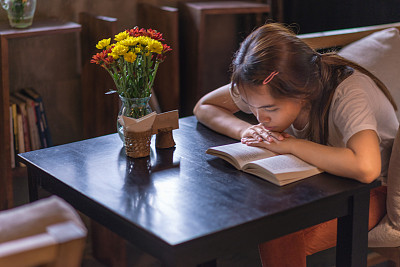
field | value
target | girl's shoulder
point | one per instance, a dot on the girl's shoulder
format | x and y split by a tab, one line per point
357	83
357	77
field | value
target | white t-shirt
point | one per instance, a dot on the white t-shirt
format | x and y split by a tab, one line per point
357	104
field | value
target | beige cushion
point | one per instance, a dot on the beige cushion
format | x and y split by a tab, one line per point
380	54
387	232
33	218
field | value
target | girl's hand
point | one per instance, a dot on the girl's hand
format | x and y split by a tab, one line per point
278	146
260	133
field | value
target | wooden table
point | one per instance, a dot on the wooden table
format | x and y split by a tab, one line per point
186	207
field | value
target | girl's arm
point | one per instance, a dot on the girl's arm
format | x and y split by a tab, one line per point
359	160
216	110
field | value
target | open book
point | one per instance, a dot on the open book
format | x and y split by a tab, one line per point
278	169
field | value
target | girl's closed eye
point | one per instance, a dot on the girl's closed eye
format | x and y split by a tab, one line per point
271	109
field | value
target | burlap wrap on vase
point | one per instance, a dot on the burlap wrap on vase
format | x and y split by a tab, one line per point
137	144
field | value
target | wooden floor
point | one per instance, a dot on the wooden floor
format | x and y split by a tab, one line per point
137	258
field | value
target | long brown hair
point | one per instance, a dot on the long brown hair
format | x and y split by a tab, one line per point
303	72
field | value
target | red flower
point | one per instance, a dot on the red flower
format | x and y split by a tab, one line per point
161	57
103	59
166	48
135	32
155	35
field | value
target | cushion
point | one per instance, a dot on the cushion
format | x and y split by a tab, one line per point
387	232
380	54
33	218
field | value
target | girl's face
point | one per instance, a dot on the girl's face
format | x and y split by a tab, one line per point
276	114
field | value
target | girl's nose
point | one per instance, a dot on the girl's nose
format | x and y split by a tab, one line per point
262	116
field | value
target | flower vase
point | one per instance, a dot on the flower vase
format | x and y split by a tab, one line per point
134	108
20	12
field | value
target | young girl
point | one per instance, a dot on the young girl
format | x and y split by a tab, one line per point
322	108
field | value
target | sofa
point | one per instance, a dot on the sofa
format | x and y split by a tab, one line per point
376	48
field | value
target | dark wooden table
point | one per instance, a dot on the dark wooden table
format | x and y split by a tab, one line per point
186	207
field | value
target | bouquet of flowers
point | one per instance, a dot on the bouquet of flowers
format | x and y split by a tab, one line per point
133	60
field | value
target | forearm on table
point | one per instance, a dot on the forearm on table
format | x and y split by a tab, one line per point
336	160
221	120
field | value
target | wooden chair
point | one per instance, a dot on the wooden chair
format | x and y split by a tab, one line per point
338	39
44	233
99	110
165	20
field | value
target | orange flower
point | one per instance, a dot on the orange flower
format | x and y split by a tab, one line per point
153	34
161	57
103	59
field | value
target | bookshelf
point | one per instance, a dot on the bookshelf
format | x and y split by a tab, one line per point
39	28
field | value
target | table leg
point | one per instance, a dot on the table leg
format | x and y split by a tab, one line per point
32	185
352	234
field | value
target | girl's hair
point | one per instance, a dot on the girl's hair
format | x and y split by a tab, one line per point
302	73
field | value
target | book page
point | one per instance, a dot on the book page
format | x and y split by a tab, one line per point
239	154
281	169
284	163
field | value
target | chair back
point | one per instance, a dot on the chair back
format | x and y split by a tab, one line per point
46	232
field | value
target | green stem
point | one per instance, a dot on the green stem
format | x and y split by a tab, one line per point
17	8
154	75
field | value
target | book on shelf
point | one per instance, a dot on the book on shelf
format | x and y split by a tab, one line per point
17	130
42	124
32	120
275	168
28	123
14	125
24	143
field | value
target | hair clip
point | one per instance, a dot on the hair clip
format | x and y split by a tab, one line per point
270	77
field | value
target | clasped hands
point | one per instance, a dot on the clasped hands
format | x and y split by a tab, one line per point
258	135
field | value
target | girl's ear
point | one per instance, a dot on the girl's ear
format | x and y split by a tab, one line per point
305	103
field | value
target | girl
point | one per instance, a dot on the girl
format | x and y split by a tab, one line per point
322	108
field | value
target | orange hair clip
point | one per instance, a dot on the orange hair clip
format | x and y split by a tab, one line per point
270	77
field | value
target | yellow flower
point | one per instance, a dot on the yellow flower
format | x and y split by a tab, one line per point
129	41
121	36
119	49
143	40
130	57
103	43
115	56
155	46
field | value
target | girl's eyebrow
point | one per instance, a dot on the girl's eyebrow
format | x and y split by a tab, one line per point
266	106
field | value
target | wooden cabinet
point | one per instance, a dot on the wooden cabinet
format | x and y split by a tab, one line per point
18	64
210	33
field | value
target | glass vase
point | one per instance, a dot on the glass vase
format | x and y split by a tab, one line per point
20	12
134	108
